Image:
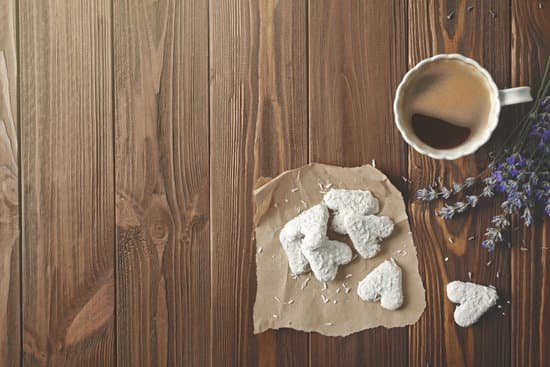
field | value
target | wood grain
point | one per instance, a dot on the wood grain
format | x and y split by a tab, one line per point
234	111
281	137
530	269
438	26
67	183
10	307
162	183
143	126
258	127
357	55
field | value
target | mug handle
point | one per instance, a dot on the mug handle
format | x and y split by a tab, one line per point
514	95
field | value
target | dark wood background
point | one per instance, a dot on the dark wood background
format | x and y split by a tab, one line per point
131	135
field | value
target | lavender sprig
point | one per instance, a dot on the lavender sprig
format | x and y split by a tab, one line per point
493	235
448	211
430	193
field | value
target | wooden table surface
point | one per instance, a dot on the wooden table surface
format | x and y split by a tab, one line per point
132	133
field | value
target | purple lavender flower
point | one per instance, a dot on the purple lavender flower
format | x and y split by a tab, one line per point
428	194
488	244
472	200
445	193
527	217
511	159
522	162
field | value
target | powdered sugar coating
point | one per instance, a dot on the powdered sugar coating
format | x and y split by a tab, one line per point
384	283
366	232
325	259
474	300
347	202
307	229
297	262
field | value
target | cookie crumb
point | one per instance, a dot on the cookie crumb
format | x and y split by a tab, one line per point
451	14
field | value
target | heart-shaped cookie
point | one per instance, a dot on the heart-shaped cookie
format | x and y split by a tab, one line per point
384	283
309	226
366	232
326	258
474	300
349	202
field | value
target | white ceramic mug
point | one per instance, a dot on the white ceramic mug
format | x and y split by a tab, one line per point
498	98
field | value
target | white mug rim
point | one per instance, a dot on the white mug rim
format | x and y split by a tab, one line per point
461	150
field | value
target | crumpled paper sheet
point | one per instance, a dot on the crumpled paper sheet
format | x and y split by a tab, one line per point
276	204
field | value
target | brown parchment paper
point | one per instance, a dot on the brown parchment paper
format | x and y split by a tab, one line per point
276	204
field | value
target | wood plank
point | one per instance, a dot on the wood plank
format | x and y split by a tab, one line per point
233	116
436	340
282	130
67	183
357	55
10	314
530	269
162	182
258	97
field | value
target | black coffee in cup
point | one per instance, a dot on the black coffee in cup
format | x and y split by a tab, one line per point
447	103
